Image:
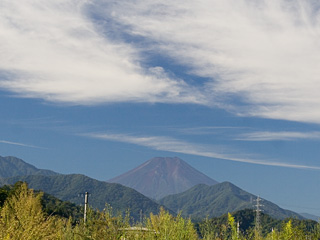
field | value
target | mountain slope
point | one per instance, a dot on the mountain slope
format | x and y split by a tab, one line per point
202	201
310	216
12	166
160	177
68	188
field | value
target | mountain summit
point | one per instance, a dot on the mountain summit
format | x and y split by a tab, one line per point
162	176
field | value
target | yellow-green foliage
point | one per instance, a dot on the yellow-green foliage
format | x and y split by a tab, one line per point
288	232
22	217
166	226
103	225
233	227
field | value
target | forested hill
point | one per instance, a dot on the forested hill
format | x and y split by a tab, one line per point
204	201
68	188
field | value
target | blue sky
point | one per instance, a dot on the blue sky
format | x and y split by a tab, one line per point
231	87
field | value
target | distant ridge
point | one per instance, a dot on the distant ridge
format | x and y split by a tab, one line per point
12	166
310	216
203	201
162	176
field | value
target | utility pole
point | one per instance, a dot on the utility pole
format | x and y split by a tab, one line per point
258	223
86	196
238	229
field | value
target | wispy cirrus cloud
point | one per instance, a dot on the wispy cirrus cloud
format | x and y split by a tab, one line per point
278	136
257	58
52	50
169	144
265	55
20	144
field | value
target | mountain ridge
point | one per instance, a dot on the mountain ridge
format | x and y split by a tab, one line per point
203	201
200	200
12	166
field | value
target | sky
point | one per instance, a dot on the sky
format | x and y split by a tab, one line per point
231	87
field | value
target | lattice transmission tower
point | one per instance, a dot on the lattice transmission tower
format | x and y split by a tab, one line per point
258	220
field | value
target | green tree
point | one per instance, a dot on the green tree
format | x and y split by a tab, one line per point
4	193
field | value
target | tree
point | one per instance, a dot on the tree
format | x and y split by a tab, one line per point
166	226
22	217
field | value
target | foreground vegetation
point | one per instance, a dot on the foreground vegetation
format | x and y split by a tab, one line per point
23	215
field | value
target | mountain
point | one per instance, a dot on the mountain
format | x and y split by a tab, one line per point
161	176
155	178
12	166
68	188
211	201
310	216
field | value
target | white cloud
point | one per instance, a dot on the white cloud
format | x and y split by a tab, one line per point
265	54
279	136
261	58
19	144
174	145
50	49
206	130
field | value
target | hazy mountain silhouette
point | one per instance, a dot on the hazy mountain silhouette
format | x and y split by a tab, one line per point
161	176
12	166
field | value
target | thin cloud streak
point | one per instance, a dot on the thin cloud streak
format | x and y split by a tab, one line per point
206	130
21	144
174	145
278	136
